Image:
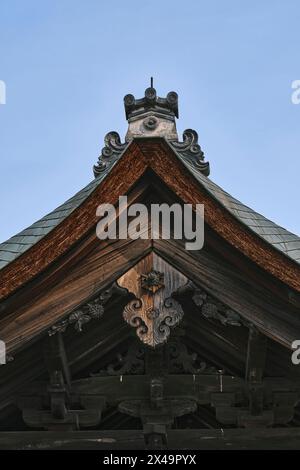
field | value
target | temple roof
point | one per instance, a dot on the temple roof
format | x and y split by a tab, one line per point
150	117
282	239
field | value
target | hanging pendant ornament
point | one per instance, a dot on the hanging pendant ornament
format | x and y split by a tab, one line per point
154	311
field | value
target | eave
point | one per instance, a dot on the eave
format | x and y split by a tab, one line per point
141	155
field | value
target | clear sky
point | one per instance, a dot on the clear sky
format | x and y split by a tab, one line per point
67	65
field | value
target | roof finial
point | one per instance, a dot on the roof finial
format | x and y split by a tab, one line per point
151	82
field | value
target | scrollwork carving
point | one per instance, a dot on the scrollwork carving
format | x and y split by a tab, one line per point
132	314
183	361
110	153
179	360
153	281
132	362
154	311
78	318
191	151
152	325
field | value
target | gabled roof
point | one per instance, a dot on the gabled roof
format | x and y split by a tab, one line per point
151	143
48	274
281	239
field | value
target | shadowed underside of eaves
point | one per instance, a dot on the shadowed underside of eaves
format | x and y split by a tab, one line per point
97	351
281	239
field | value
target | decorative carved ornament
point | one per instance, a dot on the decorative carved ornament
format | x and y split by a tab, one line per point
153	311
191	151
110	153
182	361
211	308
148	117
153	281
92	310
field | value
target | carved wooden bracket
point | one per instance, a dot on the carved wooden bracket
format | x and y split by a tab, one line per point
153	311
157	412
54	408
178	359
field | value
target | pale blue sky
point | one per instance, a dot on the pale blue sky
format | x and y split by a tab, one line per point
67	65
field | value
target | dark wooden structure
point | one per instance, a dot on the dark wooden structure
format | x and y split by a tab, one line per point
132	344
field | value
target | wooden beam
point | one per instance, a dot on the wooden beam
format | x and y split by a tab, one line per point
231	287
255	366
95	272
193	439
193	387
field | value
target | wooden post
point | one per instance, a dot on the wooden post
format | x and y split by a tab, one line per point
255	365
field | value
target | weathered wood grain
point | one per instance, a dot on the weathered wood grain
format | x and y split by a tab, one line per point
139	156
274	318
